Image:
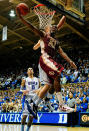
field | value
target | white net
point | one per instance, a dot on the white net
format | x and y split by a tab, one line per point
45	16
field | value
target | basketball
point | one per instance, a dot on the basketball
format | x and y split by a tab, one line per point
23	9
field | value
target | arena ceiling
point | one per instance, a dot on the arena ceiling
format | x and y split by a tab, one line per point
21	38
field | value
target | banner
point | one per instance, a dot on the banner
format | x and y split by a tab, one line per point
84	119
49	118
4	33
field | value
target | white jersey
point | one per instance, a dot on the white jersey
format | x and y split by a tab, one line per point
42	46
31	84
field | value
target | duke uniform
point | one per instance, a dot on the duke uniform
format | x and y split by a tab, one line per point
31	85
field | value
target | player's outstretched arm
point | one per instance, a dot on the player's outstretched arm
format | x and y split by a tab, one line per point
61	22
35	47
64	55
28	24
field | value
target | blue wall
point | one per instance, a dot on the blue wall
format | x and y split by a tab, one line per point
49	118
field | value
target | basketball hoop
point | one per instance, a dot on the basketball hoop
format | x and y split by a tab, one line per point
44	14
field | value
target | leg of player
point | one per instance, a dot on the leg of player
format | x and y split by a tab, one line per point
57	87
44	80
23	122
29	122
38	97
43	91
62	106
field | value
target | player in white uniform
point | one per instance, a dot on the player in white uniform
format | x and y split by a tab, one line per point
32	84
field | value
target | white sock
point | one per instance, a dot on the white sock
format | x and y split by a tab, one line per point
37	102
35	98
60	99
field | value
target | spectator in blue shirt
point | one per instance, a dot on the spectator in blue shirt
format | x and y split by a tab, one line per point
84	105
81	97
78	105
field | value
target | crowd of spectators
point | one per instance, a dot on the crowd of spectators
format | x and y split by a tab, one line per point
10	101
82	73
75	95
75	86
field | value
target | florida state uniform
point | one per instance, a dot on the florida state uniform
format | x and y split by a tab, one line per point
48	67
